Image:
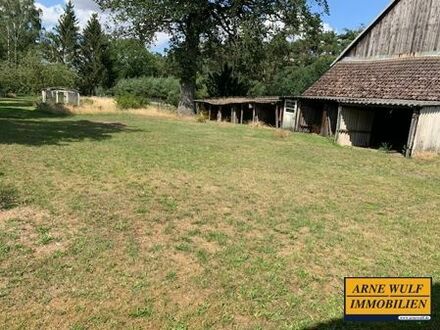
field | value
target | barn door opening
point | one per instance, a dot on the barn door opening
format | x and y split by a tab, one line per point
391	129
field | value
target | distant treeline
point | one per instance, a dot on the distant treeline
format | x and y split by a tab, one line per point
100	63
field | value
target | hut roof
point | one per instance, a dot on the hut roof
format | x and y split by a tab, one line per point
411	79
241	100
65	89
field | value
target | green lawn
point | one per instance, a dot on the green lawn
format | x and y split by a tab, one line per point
126	221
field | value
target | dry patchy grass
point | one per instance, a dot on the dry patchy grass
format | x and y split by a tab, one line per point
107	105
171	224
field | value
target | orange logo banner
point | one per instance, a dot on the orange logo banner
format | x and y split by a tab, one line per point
388	299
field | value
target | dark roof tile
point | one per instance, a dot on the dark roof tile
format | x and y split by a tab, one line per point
403	78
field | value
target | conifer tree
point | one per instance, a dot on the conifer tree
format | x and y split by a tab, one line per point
66	36
93	57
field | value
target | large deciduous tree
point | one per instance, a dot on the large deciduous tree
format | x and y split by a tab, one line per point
193	23
20	27
131	59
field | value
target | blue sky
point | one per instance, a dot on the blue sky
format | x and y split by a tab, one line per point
343	14
353	13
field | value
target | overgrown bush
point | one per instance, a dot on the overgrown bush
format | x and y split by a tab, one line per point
32	74
129	101
150	88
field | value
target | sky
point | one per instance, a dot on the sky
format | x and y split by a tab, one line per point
343	14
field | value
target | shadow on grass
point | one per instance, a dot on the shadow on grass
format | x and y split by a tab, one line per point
340	324
36	133
25	126
19	113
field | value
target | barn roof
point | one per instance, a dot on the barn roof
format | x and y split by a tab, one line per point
414	79
374	102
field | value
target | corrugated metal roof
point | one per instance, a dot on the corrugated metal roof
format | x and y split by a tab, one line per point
241	100
377	102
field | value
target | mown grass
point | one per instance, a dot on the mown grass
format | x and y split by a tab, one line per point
126	221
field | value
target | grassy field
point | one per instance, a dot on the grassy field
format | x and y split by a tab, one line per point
142	222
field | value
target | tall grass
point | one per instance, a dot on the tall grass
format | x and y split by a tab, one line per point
107	105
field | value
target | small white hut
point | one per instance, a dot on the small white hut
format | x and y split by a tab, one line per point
60	95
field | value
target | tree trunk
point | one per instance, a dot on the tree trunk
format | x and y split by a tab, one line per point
188	57
186	104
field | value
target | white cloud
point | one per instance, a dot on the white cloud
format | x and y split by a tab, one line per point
50	14
161	42
86	5
162	38
328	28
83	9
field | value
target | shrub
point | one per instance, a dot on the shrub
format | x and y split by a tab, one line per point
151	88
385	147
32	74
129	101
202	117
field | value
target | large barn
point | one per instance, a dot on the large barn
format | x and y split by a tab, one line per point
384	89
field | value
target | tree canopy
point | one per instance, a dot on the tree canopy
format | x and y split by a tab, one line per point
20	26
194	23
218	48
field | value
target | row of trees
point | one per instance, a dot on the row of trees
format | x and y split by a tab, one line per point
218	48
91	60
255	36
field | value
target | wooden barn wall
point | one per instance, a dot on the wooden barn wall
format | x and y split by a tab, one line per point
412	26
428	131
355	125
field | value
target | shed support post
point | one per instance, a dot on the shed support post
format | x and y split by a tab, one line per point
324	123
253	113
256	113
241	114
219	114
297	116
338	123
277	116
412	133
210	108
56	97
281	114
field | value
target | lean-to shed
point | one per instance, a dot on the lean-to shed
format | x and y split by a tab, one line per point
274	111
384	89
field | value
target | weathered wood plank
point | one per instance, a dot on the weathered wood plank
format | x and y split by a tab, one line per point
410	27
